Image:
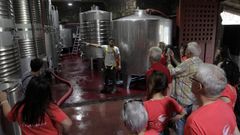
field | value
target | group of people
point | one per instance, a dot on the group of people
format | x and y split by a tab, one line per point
189	97
36	113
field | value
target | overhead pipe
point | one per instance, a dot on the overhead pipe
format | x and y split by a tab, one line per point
150	11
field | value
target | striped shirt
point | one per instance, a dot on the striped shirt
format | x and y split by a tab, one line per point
183	84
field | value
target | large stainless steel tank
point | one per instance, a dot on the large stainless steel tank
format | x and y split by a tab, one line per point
52	34
9	56
48	31
13	92
135	34
95	27
55	36
29	31
66	36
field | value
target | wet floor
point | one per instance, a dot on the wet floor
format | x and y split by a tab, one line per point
92	113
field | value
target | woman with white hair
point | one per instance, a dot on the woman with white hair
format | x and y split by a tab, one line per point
181	90
135	117
207	85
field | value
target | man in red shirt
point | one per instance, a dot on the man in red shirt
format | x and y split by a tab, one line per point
213	117
154	59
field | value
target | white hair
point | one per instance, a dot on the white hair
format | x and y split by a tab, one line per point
135	116
155	53
212	78
194	48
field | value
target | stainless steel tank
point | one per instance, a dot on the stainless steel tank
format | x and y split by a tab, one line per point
48	31
52	34
55	36
29	31
9	56
95	27
66	36
135	34
13	92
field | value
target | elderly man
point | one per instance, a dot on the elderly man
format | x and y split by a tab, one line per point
213	117
155	54
182	73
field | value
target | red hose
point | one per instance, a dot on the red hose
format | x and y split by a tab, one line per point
67	94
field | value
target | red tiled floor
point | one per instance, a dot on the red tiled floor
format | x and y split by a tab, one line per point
86	84
92	113
97	119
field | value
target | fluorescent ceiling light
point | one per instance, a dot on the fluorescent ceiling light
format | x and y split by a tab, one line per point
70	4
230	18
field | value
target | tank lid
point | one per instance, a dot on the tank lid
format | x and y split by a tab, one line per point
95	9
140	14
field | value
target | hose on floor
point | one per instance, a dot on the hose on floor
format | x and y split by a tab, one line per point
67	94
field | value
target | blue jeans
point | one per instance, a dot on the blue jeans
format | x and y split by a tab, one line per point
181	123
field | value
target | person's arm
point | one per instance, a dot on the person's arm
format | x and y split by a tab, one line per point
236	131
63	121
170	56
4	102
175	61
179	69
179	109
119	61
169	89
66	124
118	57
179	116
94	45
142	132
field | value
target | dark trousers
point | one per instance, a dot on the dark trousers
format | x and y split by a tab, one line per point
110	76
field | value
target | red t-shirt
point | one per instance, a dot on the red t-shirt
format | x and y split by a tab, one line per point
160	112
46	128
159	67
151	132
213	119
163	59
231	93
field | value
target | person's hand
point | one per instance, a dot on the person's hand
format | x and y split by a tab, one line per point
3	96
168	57
86	43
119	67
171	54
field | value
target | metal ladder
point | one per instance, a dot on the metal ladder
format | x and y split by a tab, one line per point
76	44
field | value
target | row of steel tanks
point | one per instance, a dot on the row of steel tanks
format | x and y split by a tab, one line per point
28	29
133	34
